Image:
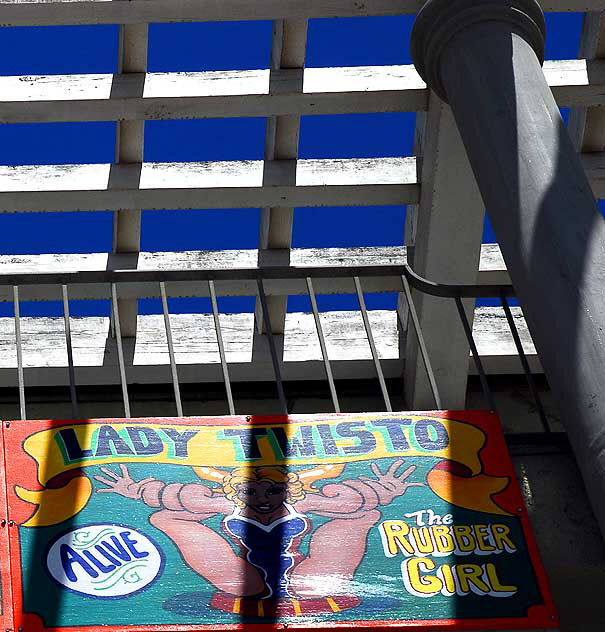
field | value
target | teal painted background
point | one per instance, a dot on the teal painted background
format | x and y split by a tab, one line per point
180	596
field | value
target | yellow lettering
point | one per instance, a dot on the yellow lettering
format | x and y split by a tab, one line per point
447	575
471	574
501	539
443	540
482	537
497	587
426	585
422	538
464	538
394	532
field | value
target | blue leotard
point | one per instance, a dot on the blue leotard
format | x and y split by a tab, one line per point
268	546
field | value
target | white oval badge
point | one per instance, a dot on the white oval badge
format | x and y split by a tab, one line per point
104	560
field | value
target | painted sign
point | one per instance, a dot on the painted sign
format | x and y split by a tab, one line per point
104	560
405	519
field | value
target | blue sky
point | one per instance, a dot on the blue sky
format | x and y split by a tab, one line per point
209	46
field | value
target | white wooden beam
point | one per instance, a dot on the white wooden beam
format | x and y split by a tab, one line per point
229	260
241	93
45	12
491	267
224	184
197	355
216	94
128	290
281	143
587	124
48	12
132	55
576	82
491	263
445	231
202	260
492	270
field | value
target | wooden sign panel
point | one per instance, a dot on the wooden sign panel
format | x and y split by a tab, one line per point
404	519
6	594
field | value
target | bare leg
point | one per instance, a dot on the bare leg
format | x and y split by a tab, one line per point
335	551
208	553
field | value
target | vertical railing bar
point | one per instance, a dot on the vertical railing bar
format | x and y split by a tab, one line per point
469	336
173	369
524	363
370	337
70	357
273	351
118	330
322	344
421	342
18	342
221	346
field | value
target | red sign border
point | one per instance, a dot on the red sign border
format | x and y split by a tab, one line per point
538	617
7	613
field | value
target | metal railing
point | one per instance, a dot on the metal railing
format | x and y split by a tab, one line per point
407	278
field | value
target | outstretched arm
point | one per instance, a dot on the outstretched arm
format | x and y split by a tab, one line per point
182	510
362	494
192	498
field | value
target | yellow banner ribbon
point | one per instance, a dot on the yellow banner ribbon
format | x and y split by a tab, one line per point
299	443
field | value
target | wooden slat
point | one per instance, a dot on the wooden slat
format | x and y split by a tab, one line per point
230	261
281	143
587	124
240	93
95	355
576	82
130	135
47	12
201	260
491	269
231	93
241	266
226	184
445	231
223	184
139	289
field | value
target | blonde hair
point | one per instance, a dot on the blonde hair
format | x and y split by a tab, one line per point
273	474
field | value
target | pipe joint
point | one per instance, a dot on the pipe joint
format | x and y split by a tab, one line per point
440	21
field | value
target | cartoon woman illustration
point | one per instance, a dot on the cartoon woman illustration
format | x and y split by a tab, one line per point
266	513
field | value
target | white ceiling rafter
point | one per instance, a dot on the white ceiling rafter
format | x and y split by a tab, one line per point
283	92
130	134
241	93
58	12
219	184
281	143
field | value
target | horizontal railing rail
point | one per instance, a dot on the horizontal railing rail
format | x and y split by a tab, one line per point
403	280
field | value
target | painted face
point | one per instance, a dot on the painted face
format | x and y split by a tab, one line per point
262	496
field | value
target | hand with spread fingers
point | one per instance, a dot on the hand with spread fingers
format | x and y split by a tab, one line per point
390	485
123	484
